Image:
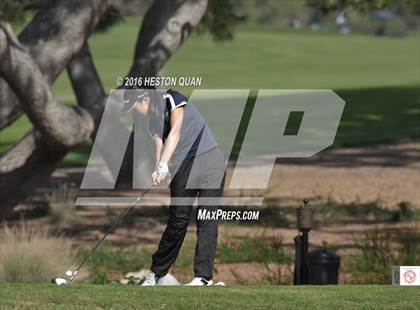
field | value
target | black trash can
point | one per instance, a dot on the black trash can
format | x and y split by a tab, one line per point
323	266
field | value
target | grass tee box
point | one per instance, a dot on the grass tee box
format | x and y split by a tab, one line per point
233	297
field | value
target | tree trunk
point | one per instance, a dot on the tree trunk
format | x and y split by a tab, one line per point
26	166
63	126
86	83
58	128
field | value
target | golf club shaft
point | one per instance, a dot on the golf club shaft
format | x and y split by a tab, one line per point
110	229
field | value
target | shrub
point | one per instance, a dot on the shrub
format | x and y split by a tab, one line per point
381	249
110	263
405	213
61	205
259	249
32	255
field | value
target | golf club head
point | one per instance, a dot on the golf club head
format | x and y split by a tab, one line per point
60	281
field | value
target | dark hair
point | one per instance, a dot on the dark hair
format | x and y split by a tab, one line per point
156	113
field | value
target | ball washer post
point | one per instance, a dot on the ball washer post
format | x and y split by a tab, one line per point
305	224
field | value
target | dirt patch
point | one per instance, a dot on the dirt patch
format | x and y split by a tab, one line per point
254	273
386	174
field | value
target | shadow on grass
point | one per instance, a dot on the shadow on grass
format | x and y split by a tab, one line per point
379	115
374	117
371	117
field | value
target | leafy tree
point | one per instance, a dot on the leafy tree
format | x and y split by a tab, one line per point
55	40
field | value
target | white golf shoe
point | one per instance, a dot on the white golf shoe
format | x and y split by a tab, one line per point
150	279
200	282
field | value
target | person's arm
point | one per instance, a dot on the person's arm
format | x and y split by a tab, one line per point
158	148
158	151
162	170
174	135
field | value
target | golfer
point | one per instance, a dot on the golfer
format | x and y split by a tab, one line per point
188	155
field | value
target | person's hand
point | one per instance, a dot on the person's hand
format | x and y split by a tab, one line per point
161	173
155	178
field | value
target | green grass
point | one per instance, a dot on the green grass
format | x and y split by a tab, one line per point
254	249
233	297
377	77
263	57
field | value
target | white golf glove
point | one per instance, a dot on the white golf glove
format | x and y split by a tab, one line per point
162	169
161	173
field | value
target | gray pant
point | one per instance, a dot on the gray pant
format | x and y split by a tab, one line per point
206	174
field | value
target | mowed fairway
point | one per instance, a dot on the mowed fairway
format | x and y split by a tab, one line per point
376	76
233	297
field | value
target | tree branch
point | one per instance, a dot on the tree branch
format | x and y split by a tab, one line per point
86	83
62	126
52	38
166	25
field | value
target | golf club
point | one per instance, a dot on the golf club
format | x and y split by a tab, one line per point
70	274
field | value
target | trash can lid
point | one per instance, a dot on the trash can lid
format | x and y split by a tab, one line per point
322	254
